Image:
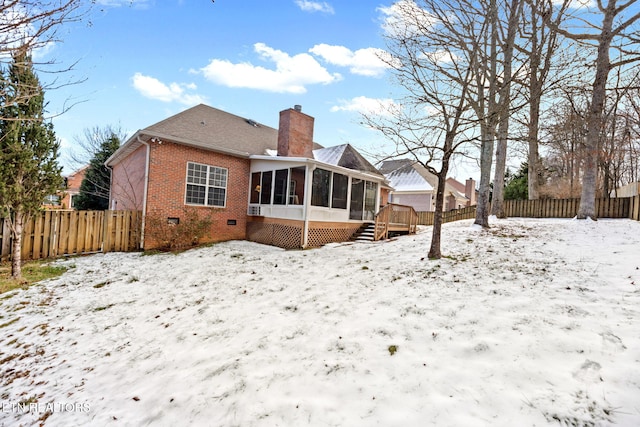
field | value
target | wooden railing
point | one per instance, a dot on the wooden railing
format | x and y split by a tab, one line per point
394	217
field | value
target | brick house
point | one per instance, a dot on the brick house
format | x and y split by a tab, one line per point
273	186
468	189
73	182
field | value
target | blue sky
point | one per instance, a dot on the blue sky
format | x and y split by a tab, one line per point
141	61
145	60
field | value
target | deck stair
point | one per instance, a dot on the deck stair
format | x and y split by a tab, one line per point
365	233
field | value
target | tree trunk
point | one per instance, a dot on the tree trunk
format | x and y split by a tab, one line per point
497	201
497	205
535	93
16	259
587	207
486	160
434	250
488	120
534	156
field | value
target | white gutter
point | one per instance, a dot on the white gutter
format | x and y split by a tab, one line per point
146	189
317	163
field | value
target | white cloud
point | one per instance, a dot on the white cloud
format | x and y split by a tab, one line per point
440	57
153	88
368	106
14	35
291	74
314	6
405	18
364	62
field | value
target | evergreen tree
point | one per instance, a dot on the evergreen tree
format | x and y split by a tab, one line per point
29	170
94	190
517	185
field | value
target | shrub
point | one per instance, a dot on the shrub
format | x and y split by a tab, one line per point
169	236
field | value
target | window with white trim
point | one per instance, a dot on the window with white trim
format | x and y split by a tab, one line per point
206	185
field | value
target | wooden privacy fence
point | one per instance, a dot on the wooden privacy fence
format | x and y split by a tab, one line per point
426	218
53	233
621	207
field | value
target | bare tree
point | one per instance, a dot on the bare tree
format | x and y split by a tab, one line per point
631	136
433	121
513	14
541	48
482	52
565	146
614	31
33	24
617	157
610	156
87	145
474	46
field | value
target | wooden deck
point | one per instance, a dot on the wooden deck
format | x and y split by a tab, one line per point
395	218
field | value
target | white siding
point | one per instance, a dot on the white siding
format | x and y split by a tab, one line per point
420	202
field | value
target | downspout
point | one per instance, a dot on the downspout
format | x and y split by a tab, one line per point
111	204
146	189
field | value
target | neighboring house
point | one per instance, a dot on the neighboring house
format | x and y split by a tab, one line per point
468	189
413	185
73	182
63	199
52	201
257	183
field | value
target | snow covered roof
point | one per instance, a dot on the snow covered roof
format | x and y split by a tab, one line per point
346	156
407	175
408	179
340	155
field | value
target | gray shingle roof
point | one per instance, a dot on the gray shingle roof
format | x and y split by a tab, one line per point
211	128
208	128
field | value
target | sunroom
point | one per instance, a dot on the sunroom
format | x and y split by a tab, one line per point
302	202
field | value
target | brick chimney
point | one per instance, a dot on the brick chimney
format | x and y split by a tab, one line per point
470	191
295	133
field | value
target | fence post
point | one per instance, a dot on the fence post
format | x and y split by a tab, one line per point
634	209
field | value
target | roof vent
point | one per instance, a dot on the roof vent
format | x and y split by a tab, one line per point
298	108
252	123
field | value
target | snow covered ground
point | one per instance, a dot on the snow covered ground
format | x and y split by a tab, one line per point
534	322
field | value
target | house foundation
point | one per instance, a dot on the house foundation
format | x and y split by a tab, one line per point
289	234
